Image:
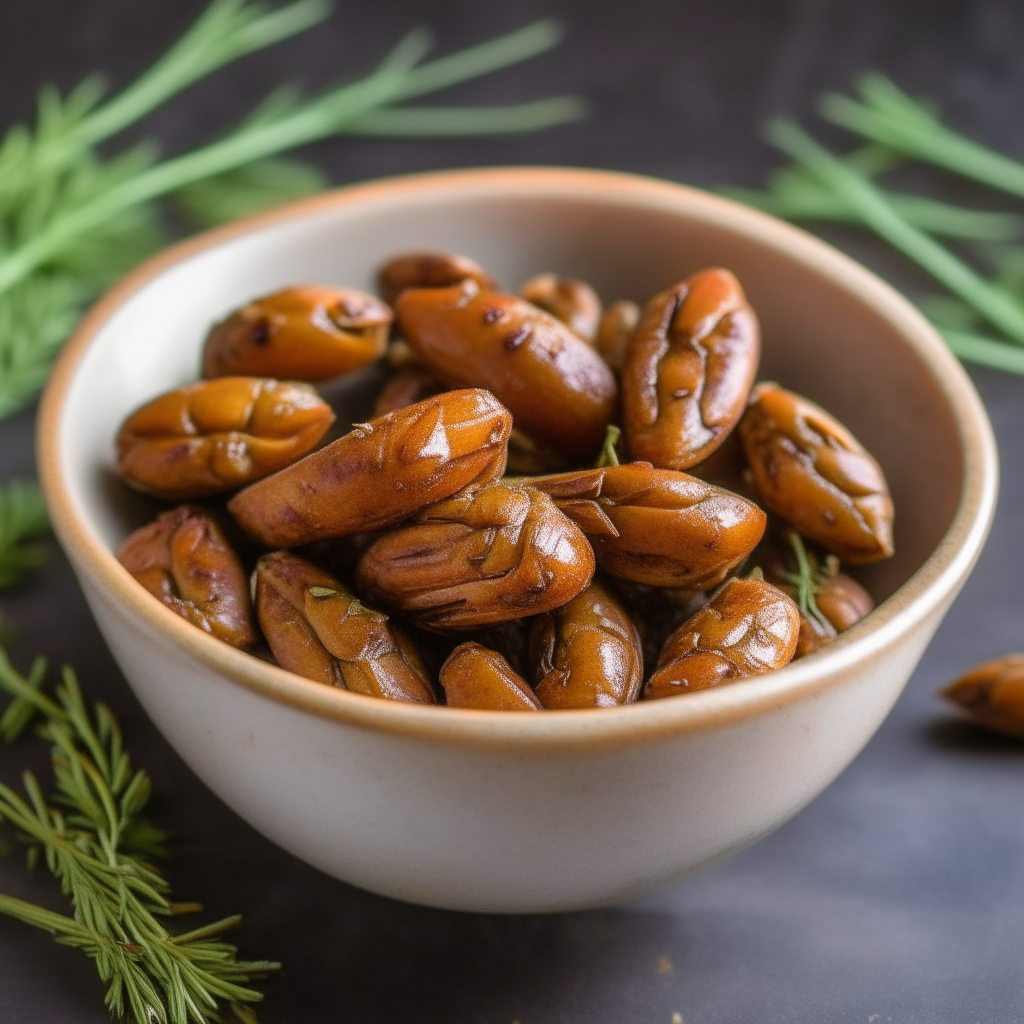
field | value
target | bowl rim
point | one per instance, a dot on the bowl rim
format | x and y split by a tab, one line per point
932	584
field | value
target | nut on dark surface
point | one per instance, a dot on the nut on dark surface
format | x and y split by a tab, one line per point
992	694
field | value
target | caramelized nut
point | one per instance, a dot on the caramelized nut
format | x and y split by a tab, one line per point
306	333
183	559
380	472
558	389
809	469
749	627
657	526
689	367
219	435
318	629
992	693
475	677
430	270
615	329
575	303
485	555
587	653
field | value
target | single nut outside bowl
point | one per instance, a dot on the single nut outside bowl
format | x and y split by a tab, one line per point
522	812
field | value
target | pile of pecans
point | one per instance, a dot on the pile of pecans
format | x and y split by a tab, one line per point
401	553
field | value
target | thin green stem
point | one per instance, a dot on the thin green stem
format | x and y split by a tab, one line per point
809	200
224	32
394	79
983	351
609	455
892	118
878	214
437	121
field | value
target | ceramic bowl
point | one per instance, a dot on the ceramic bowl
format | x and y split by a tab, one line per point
492	811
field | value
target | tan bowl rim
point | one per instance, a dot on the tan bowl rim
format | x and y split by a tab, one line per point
707	710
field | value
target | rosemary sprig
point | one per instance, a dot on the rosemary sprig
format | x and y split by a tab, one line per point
795	194
22	520
878	214
889	116
807	580
70	222
93	838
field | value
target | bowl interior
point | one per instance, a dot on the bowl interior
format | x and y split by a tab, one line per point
822	336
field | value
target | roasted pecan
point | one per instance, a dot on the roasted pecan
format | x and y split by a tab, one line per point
689	367
219	435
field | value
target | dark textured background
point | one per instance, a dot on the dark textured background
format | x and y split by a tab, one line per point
899	894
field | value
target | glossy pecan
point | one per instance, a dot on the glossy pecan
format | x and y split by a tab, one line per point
485	555
809	469
219	435
306	333
747	628
381	472
587	653
318	629
657	526
429	270
183	559
573	302
614	330
558	389
992	693
689	367
475	677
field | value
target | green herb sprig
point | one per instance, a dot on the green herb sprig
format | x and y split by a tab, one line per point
821	185
94	840
71	221
23	520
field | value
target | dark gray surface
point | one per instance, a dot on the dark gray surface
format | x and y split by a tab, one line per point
899	894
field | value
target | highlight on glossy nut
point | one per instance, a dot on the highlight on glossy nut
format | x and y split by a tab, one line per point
318	629
430	270
488	554
218	435
183	559
310	333
614	330
380	472
657	526
747	628
573	302
586	654
475	677
992	694
809	469
558	389
689	367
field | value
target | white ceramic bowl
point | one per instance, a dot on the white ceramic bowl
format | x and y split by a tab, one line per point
497	811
